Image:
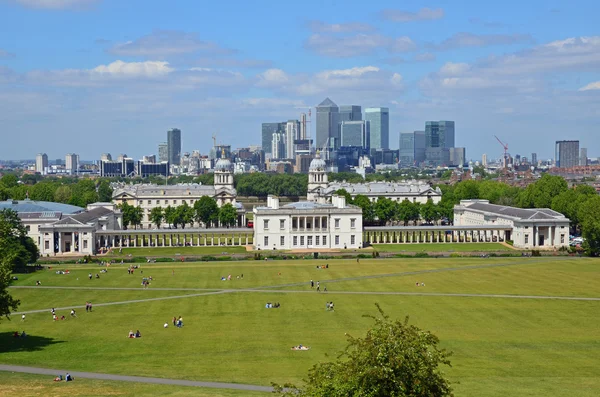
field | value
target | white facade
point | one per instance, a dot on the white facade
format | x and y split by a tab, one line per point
307	225
72	163
538	228
41	163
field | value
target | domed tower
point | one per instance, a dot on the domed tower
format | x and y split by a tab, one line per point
223	173
317	178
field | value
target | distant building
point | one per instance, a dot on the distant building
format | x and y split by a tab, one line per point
268	129
145	169
439	138
350	113
41	163
292	134
566	154
71	163
105	157
484	160
379	124
174	145
531	228
307	225
457	156
355	133
124	167
163	152
150	159
534	160
327	124
278	146
412	148
583	158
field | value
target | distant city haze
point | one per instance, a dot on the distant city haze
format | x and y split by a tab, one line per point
91	77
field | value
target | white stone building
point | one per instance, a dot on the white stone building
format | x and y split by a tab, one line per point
307	225
537	228
413	191
61	228
149	196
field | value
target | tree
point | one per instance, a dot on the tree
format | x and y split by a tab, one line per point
16	251
367	208
404	211
170	216
9	181
105	192
541	193
429	211
63	194
589	214
156	216
228	215
184	215
207	210
385	209
394	358
131	215
344	193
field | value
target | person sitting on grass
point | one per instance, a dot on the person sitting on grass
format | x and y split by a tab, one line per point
138	334
131	334
68	377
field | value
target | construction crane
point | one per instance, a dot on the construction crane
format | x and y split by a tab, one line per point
505	146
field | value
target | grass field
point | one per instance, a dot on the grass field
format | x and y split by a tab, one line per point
502	346
442	247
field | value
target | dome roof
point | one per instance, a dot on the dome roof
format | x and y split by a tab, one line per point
28	206
223	165
317	164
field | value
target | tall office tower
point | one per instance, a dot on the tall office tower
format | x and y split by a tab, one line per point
163	152
439	138
583	159
71	163
457	156
327	124
379	120
566	154
105	157
484	160
350	113
292	130
150	159
278	146
355	133
303	126
174	145
268	129
534	160
41	163
412	148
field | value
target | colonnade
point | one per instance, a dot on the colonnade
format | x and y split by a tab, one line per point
383	235
140	238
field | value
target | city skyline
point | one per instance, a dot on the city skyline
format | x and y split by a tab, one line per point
513	75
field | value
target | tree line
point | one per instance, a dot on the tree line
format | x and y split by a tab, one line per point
205	211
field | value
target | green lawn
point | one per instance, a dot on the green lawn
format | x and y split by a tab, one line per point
442	247
532	347
170	251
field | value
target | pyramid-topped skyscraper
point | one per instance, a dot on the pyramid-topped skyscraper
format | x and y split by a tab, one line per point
327	124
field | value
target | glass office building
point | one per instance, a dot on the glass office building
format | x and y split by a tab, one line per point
379	124
327	129
174	145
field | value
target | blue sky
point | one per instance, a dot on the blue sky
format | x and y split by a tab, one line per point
95	76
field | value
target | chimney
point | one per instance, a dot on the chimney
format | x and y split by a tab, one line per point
273	202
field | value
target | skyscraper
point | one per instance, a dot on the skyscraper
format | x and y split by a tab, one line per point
268	129
566	154
412	148
534	160
163	152
41	163
278	145
379	120
439	138
71	163
174	145
484	160
583	159
350	113
355	133
457	156
303	126
327	124
292	132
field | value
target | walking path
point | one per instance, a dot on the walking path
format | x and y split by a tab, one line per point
141	379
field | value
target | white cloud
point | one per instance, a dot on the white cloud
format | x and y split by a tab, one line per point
164	43
349	27
134	69
424	14
56	4
591	86
464	39
272	77
342	46
454	69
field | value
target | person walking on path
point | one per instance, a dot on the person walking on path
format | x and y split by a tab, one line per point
312	284
23	317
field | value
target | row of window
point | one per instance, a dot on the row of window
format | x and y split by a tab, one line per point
157	202
309	240
282	224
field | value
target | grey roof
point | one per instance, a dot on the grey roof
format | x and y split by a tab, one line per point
30	206
150	190
380	188
307	205
521	213
327	103
85	217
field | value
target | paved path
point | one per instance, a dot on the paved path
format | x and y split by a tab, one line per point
141	379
